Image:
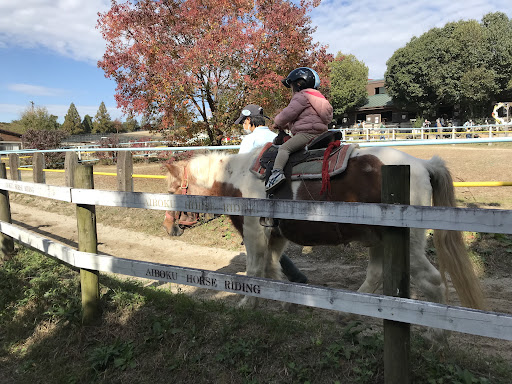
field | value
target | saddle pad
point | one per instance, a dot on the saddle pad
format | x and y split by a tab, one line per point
311	165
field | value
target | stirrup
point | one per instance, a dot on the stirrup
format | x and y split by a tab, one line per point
269	222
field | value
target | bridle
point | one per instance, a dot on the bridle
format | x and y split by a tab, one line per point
175	216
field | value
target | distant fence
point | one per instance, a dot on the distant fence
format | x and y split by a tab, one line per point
124	160
374	132
368	132
395	309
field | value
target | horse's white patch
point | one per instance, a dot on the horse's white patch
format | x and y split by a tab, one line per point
367	168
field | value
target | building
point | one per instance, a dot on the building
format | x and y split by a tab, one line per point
10	140
378	109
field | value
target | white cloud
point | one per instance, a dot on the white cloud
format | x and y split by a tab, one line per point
67	27
372	30
35	90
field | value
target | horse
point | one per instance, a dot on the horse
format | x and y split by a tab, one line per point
431	184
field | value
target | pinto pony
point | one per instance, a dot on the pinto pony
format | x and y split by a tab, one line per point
431	184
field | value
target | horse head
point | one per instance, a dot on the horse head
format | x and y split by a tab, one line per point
181	181
171	222
171	225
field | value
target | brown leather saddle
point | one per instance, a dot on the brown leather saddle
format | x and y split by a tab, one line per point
309	162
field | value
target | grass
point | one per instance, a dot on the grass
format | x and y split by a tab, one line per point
149	335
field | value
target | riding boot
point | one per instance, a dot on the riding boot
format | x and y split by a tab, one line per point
291	271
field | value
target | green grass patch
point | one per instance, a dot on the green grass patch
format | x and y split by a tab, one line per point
149	335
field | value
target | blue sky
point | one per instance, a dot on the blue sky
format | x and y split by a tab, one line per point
49	48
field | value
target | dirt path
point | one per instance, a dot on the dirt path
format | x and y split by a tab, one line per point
129	244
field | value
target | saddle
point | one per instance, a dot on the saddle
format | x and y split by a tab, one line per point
308	163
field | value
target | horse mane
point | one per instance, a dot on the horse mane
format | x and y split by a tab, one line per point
208	168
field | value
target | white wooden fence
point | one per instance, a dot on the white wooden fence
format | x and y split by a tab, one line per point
483	323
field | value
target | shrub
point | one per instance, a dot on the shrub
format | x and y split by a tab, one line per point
46	139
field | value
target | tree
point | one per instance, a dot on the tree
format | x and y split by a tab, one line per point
72	123
465	63
117	126
498	32
36	118
87	124
190	61
131	124
102	122
348	77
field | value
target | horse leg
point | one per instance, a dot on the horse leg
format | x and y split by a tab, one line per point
274	260
428	280
373	272
372	282
256	244
424	275
276	246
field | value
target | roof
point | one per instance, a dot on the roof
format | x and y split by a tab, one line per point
378	101
10	133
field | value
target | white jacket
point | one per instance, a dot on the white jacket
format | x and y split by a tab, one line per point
258	138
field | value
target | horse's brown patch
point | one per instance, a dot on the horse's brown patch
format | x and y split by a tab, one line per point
361	182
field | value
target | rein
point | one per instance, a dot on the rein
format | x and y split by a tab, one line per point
190	218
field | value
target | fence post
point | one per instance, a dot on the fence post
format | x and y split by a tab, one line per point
70	165
37	168
14	164
124	171
396	190
87	242
7	243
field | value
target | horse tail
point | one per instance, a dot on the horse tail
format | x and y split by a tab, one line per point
451	250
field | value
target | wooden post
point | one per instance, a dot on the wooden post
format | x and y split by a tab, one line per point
397	345
37	168
124	171
70	164
87	242
14	164
7	243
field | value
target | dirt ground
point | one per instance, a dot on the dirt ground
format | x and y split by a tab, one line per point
337	267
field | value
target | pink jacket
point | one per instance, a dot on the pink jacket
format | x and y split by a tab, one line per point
308	112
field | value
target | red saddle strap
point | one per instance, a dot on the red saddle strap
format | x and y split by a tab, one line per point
326	180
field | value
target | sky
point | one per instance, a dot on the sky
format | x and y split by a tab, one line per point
49	49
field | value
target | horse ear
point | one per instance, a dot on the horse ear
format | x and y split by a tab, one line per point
173	170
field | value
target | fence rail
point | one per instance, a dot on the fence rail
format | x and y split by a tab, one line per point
379	143
452	318
459	319
394	215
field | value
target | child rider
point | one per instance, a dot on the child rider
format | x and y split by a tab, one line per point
307	116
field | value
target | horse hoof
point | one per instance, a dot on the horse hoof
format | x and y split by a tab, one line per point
174	230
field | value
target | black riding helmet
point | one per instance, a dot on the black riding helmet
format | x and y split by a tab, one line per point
310	77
